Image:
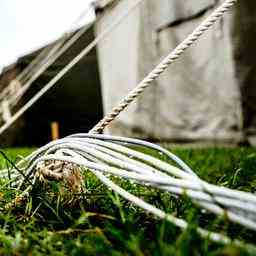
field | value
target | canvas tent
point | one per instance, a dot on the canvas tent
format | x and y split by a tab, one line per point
207	95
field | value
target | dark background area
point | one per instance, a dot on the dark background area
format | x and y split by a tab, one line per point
74	102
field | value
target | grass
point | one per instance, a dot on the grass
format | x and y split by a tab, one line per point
99	222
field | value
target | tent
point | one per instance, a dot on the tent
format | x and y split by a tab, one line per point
208	95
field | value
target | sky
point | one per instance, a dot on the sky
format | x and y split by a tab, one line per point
26	25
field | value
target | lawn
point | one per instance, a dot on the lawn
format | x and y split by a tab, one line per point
99	222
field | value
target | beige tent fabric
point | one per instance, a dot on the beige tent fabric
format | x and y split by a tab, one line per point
198	98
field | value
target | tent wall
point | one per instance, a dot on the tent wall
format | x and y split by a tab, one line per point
197	98
118	60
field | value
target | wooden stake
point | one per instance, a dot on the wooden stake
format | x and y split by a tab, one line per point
55	130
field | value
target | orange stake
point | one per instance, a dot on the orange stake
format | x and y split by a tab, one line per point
55	130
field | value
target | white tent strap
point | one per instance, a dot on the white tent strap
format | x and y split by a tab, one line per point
38	66
4	93
47	53
57	52
70	65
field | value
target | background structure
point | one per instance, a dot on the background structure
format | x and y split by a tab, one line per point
75	102
206	96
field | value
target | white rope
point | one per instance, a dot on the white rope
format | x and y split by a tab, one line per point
60	47
25	73
83	53
57	52
45	59
156	72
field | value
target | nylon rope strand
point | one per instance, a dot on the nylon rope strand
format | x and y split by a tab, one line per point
25	73
158	70
57	52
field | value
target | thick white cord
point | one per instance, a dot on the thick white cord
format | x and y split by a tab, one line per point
110	155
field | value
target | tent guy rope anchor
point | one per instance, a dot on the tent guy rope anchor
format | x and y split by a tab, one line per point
103	154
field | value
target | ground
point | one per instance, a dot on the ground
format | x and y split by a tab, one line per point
101	223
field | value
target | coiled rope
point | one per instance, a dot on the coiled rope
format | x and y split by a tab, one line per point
110	155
